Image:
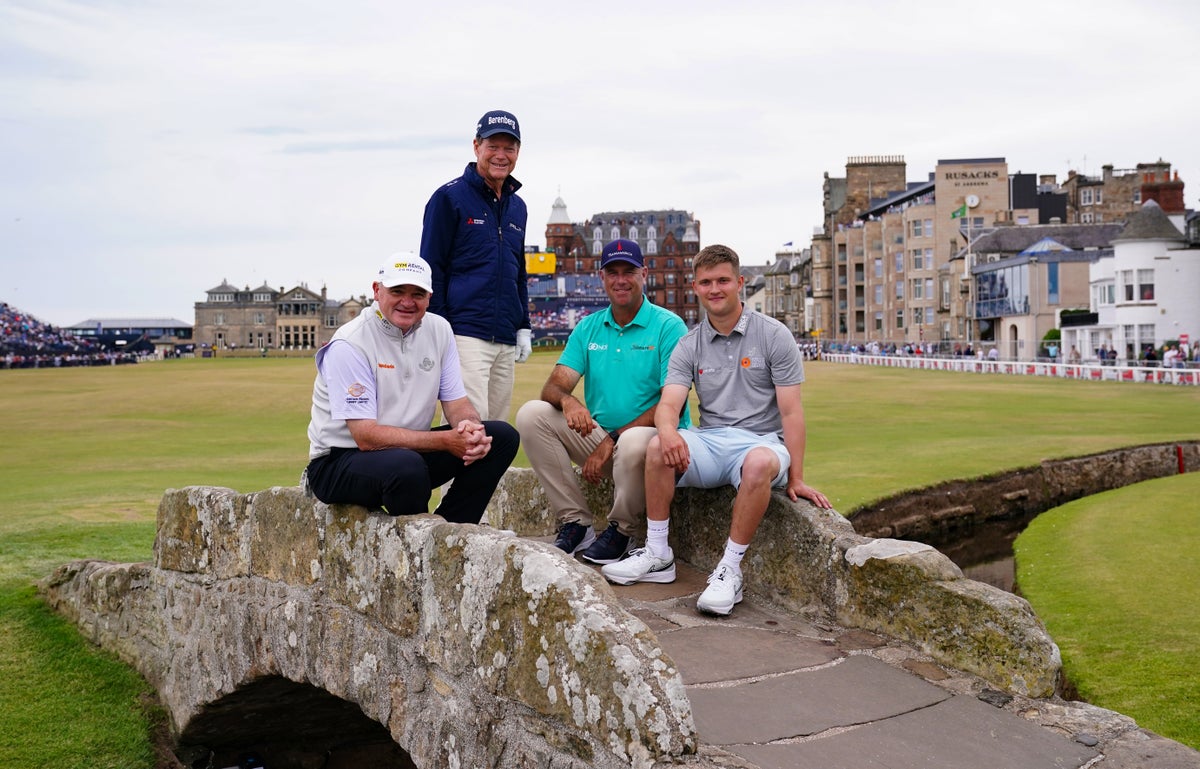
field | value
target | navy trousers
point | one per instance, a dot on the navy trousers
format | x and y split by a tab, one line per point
401	481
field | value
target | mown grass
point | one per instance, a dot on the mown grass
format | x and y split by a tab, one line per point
1115	578
88	452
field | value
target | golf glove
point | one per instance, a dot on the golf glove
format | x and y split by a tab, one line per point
524	344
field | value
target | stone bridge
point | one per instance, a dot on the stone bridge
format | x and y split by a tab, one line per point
271	622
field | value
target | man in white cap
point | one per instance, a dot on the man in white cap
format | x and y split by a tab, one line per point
473	237
378	384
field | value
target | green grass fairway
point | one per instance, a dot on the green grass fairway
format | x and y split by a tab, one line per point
1116	579
88	452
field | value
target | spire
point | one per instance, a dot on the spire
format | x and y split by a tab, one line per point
558	213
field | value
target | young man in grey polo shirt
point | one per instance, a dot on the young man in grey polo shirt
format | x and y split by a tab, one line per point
747	372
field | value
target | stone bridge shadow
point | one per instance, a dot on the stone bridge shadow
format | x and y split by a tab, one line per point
328	636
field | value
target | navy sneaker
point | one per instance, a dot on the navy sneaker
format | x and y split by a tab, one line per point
573	537
609	547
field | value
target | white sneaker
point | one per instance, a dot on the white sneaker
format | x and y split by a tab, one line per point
640	566
723	591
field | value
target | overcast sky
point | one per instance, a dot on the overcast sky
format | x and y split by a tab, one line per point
152	149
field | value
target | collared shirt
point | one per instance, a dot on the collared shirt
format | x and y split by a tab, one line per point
623	368
735	376
371	370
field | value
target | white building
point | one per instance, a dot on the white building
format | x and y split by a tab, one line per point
1146	295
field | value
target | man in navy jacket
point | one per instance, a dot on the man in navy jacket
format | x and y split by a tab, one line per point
474	241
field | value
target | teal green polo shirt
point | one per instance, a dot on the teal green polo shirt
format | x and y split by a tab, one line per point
623	369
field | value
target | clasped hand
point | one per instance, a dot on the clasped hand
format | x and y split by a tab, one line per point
470	441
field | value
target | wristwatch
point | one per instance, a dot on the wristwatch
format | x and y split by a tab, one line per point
616	436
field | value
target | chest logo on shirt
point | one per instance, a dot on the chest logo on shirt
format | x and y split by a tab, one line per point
745	363
426	364
473	220
643	347
356	390
594	346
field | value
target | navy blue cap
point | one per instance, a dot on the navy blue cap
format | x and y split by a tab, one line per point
498	122
622	250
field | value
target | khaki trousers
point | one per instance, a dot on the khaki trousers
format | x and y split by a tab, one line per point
488	369
552	447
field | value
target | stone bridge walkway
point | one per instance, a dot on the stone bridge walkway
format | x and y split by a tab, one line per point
772	690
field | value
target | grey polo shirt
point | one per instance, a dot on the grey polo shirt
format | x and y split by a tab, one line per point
735	376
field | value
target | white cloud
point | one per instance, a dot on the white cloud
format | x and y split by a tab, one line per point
152	149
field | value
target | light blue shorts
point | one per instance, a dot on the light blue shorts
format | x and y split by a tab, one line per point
717	454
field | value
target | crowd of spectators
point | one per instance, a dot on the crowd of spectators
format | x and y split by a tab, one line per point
26	342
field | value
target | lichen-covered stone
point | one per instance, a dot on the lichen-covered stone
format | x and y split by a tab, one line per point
472	648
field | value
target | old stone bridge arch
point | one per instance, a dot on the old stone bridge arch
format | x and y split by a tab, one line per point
357	638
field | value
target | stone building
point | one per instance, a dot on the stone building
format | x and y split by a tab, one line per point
788	288
669	239
1023	278
892	261
1117	193
266	318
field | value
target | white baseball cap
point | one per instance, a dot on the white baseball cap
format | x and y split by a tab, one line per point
405	268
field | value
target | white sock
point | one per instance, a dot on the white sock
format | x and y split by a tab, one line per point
656	538
733	554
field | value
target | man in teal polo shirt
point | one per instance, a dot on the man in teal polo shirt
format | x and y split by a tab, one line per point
621	353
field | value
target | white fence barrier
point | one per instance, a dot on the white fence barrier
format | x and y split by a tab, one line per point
1084	371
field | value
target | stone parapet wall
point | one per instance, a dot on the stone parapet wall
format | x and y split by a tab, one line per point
811	560
470	647
946	512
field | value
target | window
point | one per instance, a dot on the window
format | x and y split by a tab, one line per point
597	247
899	319
917	290
918	259
652	245
1085	197
900	289
929	227
879	321
633	233
597	234
614	233
1052	283
331	321
1139	289
1085	218
917	316
260	318
929	288
262	297
219	319
1145	280
918	230
928	316
1099	197
878	264
899	261
879	294
929	258
818	281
